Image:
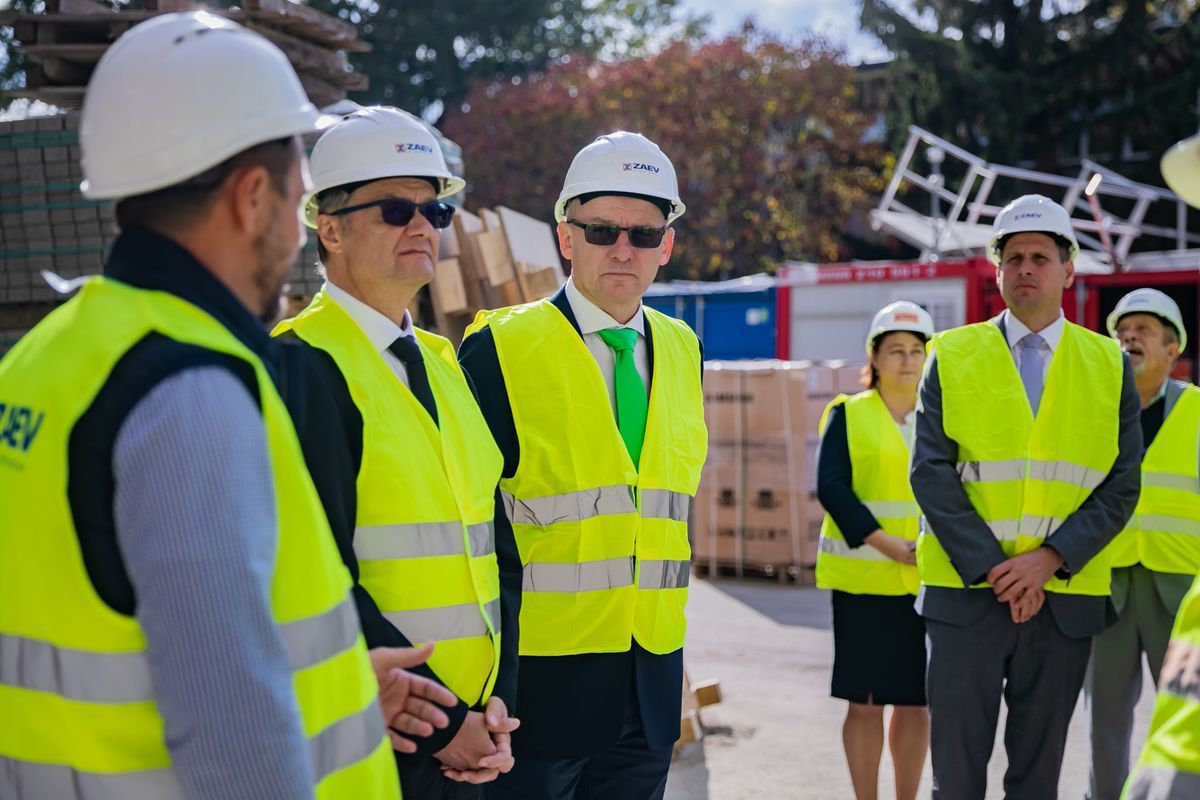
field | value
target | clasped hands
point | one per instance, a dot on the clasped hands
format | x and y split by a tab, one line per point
1018	581
481	749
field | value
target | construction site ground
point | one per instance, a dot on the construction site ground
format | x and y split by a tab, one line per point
777	733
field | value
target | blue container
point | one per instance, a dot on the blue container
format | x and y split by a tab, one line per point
735	319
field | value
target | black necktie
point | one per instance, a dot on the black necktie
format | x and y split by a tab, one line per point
409	352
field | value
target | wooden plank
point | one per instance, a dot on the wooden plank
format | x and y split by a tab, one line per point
708	693
531	241
315	24
321	62
77	53
62	96
321	92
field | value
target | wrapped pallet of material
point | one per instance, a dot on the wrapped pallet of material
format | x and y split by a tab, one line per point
752	506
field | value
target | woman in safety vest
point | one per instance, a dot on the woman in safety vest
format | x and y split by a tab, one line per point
868	554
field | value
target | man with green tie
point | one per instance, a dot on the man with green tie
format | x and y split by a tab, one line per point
595	402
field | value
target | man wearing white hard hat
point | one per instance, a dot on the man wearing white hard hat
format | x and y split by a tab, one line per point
867	555
401	455
1157	555
1025	467
595	402
1169	767
174	618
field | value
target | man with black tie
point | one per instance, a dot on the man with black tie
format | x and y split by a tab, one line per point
400	455
1026	465
596	404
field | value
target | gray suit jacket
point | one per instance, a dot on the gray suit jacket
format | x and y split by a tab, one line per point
969	542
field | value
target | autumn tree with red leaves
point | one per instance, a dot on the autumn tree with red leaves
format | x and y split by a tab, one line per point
763	132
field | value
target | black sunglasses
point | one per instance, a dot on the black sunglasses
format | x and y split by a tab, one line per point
604	235
399	212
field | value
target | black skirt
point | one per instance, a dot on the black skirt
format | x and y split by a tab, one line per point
878	650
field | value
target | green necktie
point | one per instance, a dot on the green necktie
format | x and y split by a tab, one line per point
630	391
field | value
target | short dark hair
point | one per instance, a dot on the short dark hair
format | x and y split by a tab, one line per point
1064	247
173	206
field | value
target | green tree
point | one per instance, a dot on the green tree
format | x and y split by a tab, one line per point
425	56
763	133
1020	80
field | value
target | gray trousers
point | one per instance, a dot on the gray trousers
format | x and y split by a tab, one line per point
1114	679
1036	669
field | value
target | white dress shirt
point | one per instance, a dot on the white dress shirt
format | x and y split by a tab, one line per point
379	330
592	318
1015	331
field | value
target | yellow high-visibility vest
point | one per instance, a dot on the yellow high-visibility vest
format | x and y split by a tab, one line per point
1025	475
80	720
1164	532
879	468
604	541
424	534
1169	768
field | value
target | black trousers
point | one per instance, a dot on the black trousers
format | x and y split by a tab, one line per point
630	770
1036	669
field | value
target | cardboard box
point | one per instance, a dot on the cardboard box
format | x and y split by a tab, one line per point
848	379
494	255
449	293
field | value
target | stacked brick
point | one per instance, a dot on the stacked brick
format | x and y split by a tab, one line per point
47	224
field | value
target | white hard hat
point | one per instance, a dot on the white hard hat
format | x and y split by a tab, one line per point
1032	213
1149	301
1181	170
621	163
900	316
375	143
179	94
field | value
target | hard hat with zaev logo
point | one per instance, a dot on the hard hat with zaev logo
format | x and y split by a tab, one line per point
1033	213
372	144
622	163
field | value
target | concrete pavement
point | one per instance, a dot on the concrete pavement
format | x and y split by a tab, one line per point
778	733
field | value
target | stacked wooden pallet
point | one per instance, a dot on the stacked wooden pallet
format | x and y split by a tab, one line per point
492	259
63	45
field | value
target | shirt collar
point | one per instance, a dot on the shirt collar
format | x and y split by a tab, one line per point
378	329
1015	330
592	318
1162	392
147	260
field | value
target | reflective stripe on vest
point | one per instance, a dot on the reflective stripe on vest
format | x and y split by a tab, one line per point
1169	766
1163	534
879	478
79	708
125	677
424	530
445	622
603	541
1016	470
569	507
422	540
1026	475
347	741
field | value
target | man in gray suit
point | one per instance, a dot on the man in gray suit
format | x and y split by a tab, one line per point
1025	467
1158	554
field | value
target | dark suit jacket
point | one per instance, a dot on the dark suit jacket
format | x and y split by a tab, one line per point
574	706
969	542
